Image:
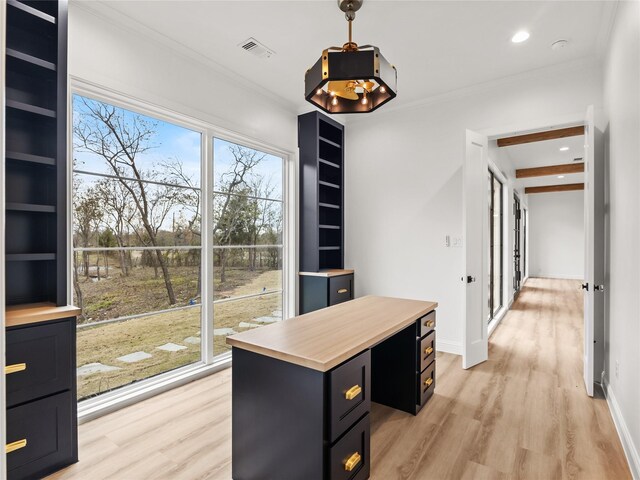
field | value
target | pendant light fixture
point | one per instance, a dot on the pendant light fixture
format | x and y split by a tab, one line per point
351	78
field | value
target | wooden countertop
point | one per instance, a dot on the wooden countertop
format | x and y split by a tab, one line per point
327	273
325	338
37	312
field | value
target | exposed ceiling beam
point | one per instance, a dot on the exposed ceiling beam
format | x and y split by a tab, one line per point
569	187
550	170
540	136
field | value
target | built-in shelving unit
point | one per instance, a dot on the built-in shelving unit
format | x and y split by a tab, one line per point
321	142
36	152
41	328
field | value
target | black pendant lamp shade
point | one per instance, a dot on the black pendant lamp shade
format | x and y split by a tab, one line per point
350	79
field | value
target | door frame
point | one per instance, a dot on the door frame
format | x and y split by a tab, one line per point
491	134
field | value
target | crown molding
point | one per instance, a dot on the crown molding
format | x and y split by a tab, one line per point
109	14
581	64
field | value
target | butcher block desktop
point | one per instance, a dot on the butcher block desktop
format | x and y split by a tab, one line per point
302	388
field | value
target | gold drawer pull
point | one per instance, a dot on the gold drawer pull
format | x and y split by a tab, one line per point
429	323
428	351
352	462
343	290
353	392
428	381
16	367
13	446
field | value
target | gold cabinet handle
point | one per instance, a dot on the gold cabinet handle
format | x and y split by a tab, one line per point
16	367
429	323
343	290
353	392
13	446
428	381
352	462
428	351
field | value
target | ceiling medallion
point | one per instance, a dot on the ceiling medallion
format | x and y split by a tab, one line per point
351	78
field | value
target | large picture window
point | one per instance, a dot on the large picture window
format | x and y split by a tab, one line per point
140	197
247	239
495	253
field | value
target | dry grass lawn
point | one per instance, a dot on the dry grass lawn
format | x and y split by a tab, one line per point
106	343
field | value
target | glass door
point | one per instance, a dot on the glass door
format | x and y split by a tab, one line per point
495	246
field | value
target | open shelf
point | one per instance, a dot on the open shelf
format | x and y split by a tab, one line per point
30	207
25	157
326	140
329	205
329	248
31	34
24	57
29	10
25	107
328	184
327	162
30	257
329	133
329	227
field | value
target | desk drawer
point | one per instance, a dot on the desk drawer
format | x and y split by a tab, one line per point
426	324
42	359
349	458
47	427
426	383
427	350
340	289
349	393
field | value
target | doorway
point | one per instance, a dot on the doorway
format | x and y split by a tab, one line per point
517	273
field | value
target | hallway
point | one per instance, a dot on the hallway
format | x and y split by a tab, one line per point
522	414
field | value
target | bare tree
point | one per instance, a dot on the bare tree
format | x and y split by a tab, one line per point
121	139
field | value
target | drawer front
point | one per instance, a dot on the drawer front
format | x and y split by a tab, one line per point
349	393
340	289
427	351
426	383
47	427
349	458
41	357
426	323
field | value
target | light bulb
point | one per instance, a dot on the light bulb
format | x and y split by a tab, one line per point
333	94
364	100
382	89
319	91
334	101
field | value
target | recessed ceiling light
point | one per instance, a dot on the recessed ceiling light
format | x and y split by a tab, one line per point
560	176
520	37
564	149
559	44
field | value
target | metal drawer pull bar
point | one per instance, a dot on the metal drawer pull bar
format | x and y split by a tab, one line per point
428	351
352	462
353	392
429	323
428	381
16	367
343	290
13	446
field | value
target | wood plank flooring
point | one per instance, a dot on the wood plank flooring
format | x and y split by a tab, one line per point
523	414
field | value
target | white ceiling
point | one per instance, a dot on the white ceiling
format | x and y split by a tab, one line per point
542	154
437	47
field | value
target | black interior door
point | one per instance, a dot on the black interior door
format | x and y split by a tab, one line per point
517	273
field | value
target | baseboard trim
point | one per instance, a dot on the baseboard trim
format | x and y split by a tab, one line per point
630	450
558	276
448	346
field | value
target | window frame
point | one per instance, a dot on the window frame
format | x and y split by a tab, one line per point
209	363
495	172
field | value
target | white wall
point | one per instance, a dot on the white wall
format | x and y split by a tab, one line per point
556	235
130	59
622	326
404	183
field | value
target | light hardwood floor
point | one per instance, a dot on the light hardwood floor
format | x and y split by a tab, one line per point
522	414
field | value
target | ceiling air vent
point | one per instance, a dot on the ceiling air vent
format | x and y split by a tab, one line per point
578	159
256	48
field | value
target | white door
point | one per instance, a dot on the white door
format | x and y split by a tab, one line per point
593	285
475	206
